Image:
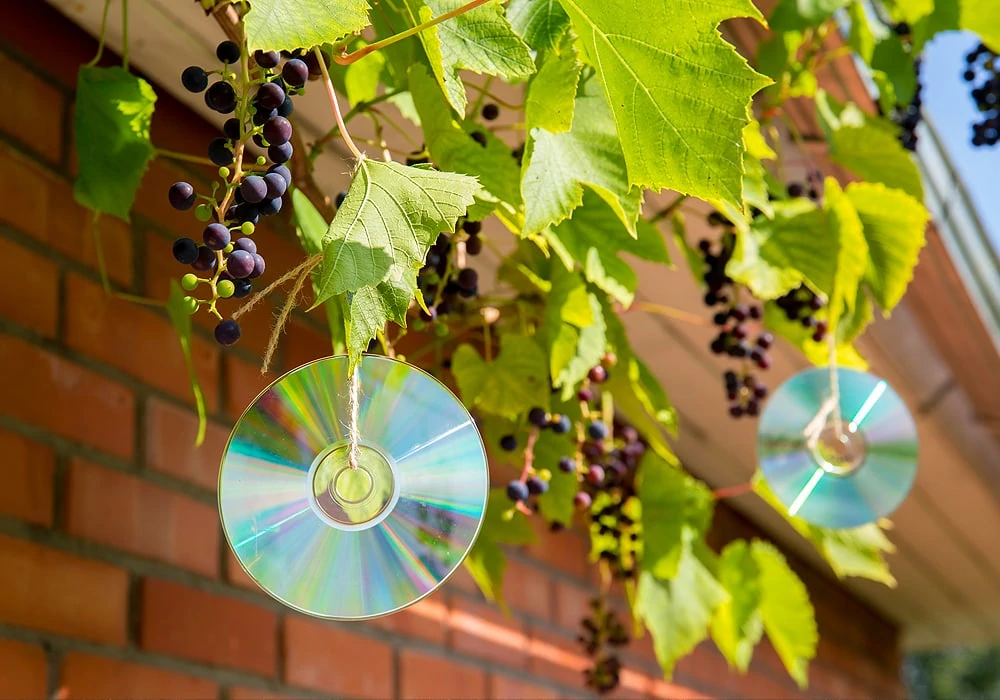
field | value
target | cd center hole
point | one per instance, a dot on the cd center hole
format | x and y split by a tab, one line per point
352	485
839	454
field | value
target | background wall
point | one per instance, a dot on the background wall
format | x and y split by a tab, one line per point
115	579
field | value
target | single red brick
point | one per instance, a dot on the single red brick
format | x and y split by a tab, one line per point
125	512
506	688
47	211
304	344
137	340
28	479
427	620
244	383
528	589
427	677
25	670
86	676
559	657
35	381
327	658
479	630
171	432
29	299
37	121
49	590
214	629
572	604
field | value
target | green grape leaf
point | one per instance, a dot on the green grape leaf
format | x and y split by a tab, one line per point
575	330
867	146
894	225
891	58
480	40
737	625
516	381
594	238
678	92
794	15
678	612
981	17
786	612
279	25
673	503
551	97
912	11
361	78
111	130
541	23
861	38
390	218
369	307
452	148
311	227
755	194
557	166
181	320
556	504
765	280
486	561
856	551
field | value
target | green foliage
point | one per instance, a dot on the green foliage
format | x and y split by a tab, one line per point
551	96
791	15
542	23
111	131
516	381
276	25
574	329
180	317
737	625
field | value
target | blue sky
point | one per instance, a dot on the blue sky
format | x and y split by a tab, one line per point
946	99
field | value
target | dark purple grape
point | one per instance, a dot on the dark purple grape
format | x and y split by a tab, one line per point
595	474
247	212
517	491
468	278
536	486
567	464
260	117
276	185
270	96
181	196
246	244
206	260
736	410
185	251
597	374
490	111
538	417
597	430
472	228
227	332
280	153
258	266
795	189
228	52
585	394
266	59
240	264
194	79
286	108
231	128
221	97
216	236
253	189
338	201
508	443
295	72
765	340
259	140
474	246
277	130
243	288
282	170
219	153
582	500
561	425
269	207
479	137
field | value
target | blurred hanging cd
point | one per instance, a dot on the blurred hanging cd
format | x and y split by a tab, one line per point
342	543
837	478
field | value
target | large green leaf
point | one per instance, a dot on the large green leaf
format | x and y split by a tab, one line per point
556	504
595	237
672	503
280	25
541	23
857	551
678	612
981	17
867	146
737	625
486	561
786	611
551	96
891	58
861	37
180	317
558	165
793	15
574	329
678	92
516	381
111	130
362	78
480	40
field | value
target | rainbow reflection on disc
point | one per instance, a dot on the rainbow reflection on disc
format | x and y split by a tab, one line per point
342	543
831	478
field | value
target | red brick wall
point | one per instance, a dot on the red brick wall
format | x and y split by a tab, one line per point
115	580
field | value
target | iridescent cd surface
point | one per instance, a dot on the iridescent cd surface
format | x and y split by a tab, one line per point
342	543
831	478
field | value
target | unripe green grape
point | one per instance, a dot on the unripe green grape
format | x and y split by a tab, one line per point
440	330
225	288
189	282
545	475
247	228
224	172
203	212
228	249
261	160
418	324
190	304
507	515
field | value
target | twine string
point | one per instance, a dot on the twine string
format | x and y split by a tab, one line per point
353	399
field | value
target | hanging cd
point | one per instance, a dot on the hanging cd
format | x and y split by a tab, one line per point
837	464
343	543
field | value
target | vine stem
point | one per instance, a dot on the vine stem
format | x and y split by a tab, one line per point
354	111
335	103
730	491
100	41
669	312
529	453
125	34
346	59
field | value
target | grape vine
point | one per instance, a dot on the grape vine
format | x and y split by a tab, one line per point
560	185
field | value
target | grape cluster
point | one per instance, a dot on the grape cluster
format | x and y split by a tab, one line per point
983	66
910	116
800	305
602	633
227	258
447	286
736	322
811	188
